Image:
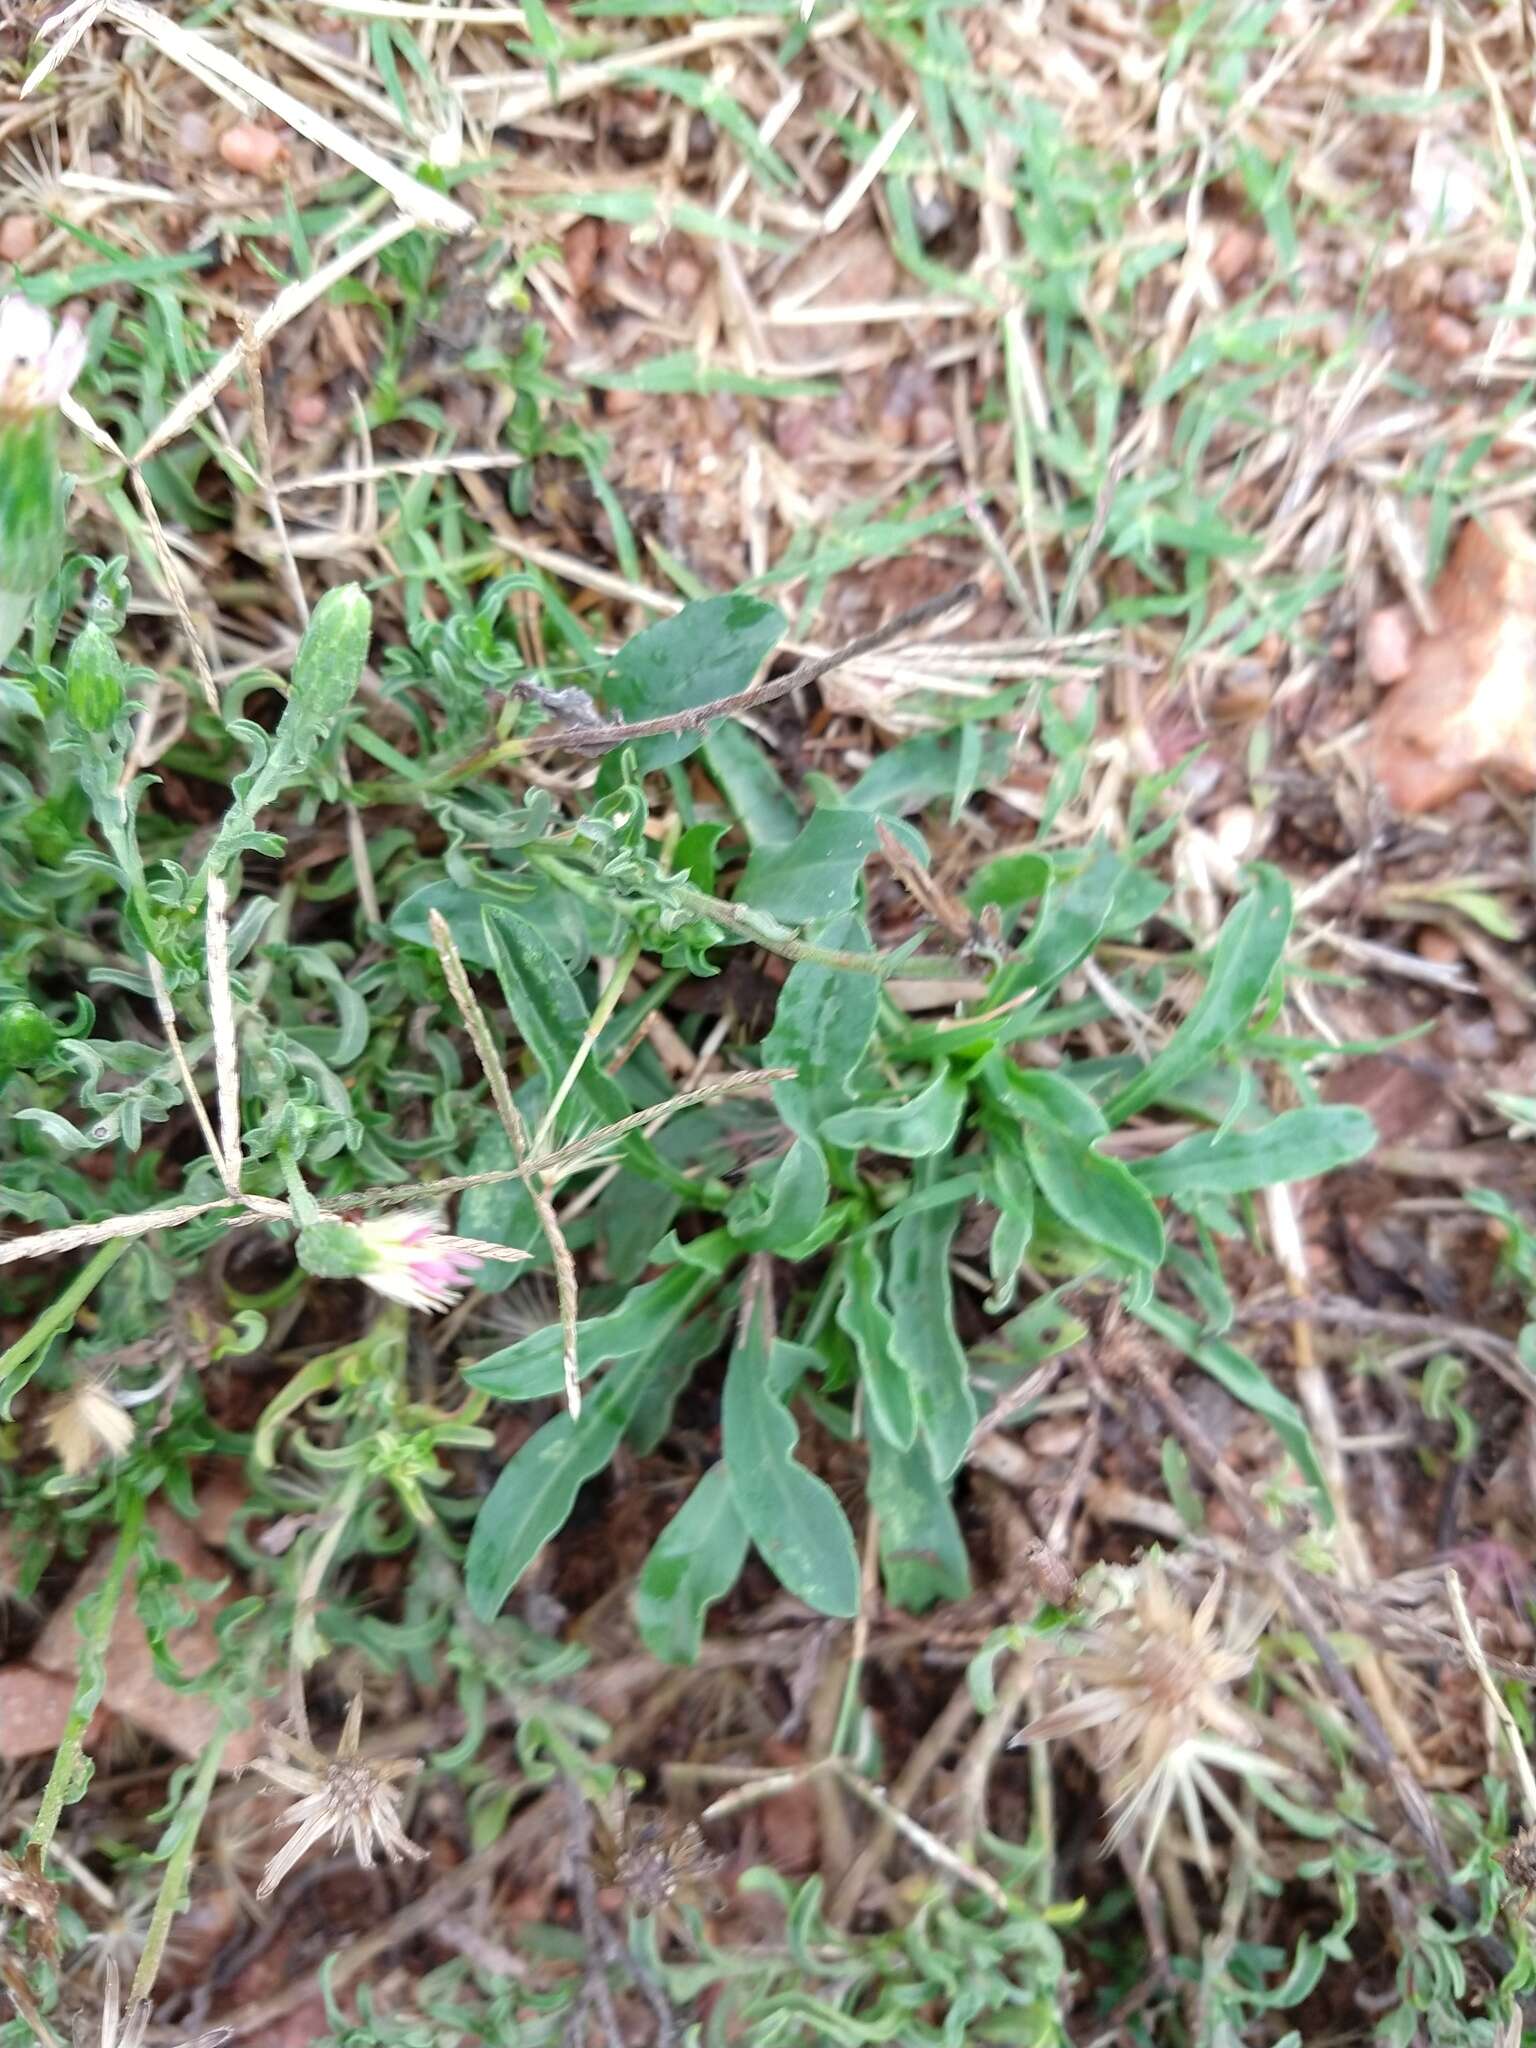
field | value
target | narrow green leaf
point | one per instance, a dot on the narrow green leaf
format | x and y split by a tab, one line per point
822	1027
922	1552
537	1489
921	1299
695	1560
1249	950
792	1516
742	770
530	1369
548	1010
1298	1145
1245	1382
1098	1197
905	1130
863	1317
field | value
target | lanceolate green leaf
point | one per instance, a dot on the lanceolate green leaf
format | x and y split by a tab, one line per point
822	1028
918	1289
1245	1382
1070	918
1249	950
863	1316
696	1559
906	1130
530	1369
922	1552
1097	1197
548	1011
1296	1146
537	1489
792	1516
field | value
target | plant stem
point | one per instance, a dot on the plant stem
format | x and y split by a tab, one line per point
173	1883
59	1314
95	1621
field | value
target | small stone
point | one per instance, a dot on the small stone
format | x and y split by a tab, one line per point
1439	946
1234	253
1510	1014
1452	337
1057	1436
1234	830
580	250
247	147
194	132
931	427
794	429
683	278
1466	291
1389	636
19	236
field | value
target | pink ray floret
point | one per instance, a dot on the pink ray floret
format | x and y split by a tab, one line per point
413	1262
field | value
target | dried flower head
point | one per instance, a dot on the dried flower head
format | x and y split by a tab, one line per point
85	1424
126	2029
402	1255
25	1890
1151	1683
649	1853
341	1796
38	365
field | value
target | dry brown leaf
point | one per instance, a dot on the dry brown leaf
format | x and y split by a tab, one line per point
1467	705
34	1709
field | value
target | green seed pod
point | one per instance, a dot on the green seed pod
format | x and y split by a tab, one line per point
329	664
26	1036
93	679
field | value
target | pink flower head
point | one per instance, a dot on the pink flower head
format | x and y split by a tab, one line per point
37	364
411	1261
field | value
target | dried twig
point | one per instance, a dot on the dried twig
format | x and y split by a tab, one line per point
603	738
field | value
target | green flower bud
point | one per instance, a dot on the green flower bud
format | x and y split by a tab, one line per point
26	1036
94	680
329	664
334	1251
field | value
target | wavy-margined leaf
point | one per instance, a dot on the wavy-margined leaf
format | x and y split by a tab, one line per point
1245	1382
1249	950
537	1489
695	1560
816	875
822	1028
1298	1145
794	1204
863	1317
792	1516
919	1291
530	1369
1098	1197
905	1130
